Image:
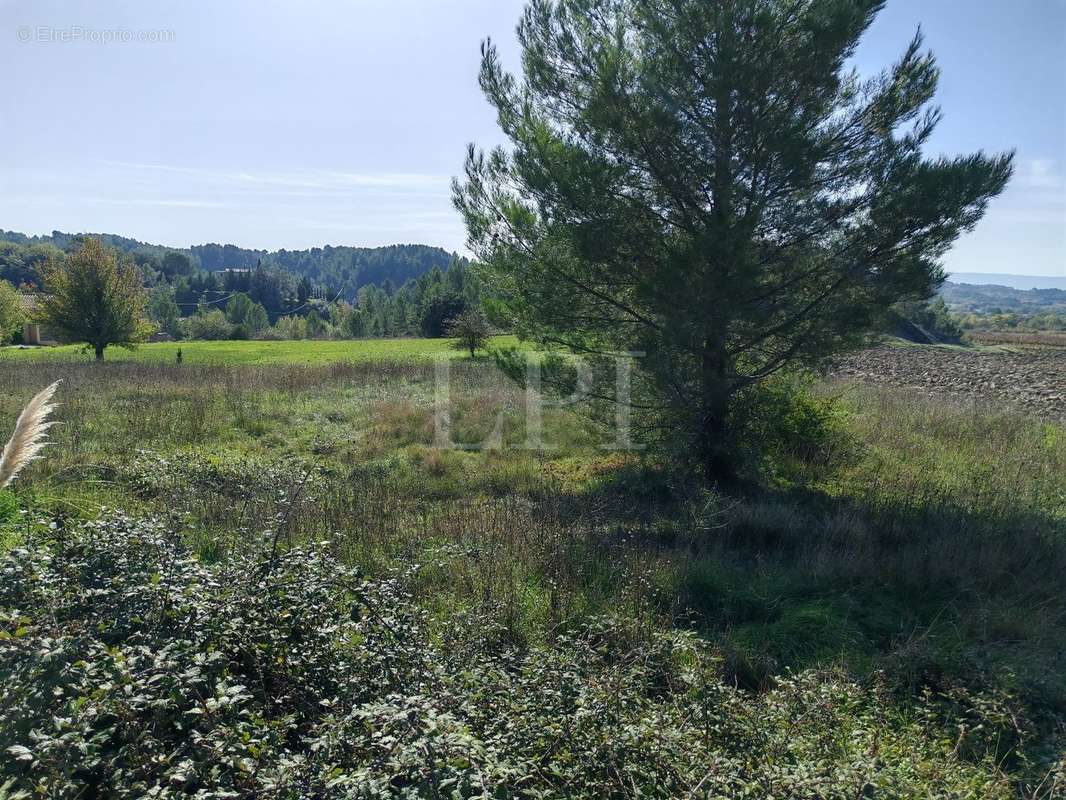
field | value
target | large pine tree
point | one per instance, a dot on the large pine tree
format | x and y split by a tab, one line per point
706	181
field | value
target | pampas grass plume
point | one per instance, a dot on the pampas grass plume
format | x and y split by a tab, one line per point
29	437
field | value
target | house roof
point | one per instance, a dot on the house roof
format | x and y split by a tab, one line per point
29	302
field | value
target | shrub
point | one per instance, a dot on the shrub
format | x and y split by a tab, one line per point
271	334
240	332
210	325
933	318
783	424
132	670
291	327
173	676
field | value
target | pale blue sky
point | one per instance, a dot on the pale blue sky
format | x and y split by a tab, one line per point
293	124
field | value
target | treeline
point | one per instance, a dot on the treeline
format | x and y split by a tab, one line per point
1004	308
924	321
222	291
425	306
994	299
1013	321
340	270
941	321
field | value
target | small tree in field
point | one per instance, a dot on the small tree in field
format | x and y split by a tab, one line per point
90	297
470	330
706	182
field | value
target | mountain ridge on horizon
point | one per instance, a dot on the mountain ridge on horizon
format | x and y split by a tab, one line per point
216	257
129	243
1008	280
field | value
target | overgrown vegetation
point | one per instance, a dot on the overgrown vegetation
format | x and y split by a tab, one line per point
864	622
293	676
259	569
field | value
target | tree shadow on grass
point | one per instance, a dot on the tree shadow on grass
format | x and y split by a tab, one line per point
918	584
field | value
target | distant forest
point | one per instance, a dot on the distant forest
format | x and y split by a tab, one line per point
991	298
400	290
342	270
406	289
989	306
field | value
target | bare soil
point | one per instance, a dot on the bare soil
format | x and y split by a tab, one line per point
1031	378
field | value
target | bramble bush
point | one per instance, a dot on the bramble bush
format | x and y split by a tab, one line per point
130	669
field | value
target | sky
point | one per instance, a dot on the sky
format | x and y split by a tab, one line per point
273	124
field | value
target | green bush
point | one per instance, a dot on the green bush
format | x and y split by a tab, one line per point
210	325
132	670
240	332
786	430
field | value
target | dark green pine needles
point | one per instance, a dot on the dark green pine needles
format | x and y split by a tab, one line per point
709	183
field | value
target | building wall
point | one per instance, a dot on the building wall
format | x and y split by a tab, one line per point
33	333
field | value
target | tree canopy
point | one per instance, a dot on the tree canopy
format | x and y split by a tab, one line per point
470	329
708	183
93	297
396	289
11	315
162	310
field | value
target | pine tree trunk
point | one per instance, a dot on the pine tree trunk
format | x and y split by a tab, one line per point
715	452
99	352
715	460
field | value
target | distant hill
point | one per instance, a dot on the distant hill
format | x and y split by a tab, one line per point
344	269
1022	282
995	299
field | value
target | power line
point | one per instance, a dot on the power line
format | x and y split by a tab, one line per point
234	294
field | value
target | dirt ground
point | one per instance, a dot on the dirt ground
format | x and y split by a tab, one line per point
1030	378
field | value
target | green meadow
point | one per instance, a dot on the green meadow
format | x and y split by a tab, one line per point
251	353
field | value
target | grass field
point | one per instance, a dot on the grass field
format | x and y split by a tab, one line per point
258	352
928	561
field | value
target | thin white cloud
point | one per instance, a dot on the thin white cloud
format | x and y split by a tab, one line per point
299	179
166	202
1033	216
1040	173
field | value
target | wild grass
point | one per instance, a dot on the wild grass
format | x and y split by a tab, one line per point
933	555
